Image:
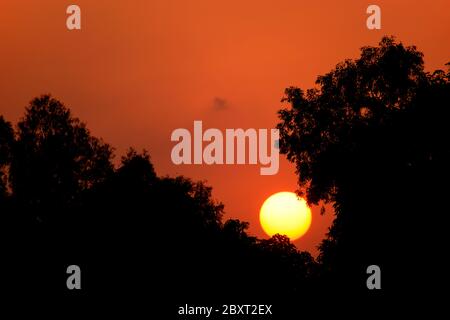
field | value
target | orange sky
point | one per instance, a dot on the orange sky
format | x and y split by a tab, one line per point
139	69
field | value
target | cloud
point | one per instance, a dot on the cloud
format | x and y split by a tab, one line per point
220	103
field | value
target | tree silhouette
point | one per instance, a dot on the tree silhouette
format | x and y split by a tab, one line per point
54	158
372	139
6	141
68	203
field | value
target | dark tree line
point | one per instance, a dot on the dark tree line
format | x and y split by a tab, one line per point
133	234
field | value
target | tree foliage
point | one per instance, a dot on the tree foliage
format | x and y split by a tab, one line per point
55	158
372	139
68	202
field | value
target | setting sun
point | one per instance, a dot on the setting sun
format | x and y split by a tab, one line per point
286	214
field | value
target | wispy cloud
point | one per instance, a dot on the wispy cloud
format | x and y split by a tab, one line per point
220	104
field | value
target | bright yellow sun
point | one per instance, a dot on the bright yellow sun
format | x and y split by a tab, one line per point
286	214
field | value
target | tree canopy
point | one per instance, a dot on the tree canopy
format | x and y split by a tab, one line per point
67	201
372	138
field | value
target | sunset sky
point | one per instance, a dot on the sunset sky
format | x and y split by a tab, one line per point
140	69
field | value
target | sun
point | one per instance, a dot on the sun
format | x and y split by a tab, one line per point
285	213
